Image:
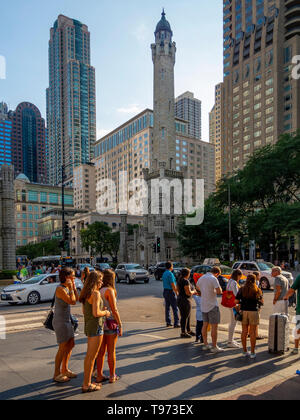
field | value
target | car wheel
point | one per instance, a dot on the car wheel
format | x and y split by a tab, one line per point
33	298
156	277
128	280
264	284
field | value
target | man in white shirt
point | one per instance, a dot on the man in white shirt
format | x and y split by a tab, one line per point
209	287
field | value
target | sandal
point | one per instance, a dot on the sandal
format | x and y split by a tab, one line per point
104	379
61	379
71	375
114	379
91	388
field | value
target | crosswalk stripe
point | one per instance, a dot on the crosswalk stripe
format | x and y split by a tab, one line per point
23	320
21	328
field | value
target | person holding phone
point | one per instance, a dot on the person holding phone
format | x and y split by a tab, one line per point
112	329
65	296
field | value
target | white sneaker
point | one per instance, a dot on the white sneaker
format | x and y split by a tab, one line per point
246	353
233	345
208	347
217	349
253	356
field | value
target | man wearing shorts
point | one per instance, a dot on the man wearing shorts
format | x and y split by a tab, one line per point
209	287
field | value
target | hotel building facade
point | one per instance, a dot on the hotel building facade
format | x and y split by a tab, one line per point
261	98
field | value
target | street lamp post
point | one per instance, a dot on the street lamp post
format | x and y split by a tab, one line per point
271	253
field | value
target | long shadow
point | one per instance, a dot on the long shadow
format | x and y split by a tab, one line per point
286	391
212	380
56	392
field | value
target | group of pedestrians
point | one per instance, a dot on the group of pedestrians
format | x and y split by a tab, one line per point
102	326
247	301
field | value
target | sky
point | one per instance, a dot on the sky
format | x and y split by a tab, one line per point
121	34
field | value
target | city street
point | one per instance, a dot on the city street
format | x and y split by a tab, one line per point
154	363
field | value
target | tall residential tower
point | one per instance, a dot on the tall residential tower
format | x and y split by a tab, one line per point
188	108
71	101
261	99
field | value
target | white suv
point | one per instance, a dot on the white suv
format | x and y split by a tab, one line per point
265	269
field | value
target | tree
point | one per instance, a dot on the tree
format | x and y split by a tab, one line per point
114	246
41	249
265	203
96	239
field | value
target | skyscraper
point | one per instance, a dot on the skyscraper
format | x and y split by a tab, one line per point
188	108
5	136
29	142
215	128
261	99
71	103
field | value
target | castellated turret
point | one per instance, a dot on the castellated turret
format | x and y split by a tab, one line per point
7	219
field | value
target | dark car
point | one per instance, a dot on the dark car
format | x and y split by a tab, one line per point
161	268
103	266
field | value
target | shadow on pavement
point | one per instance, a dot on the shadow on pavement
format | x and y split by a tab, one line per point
285	391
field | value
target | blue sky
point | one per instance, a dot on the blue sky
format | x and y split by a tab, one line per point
121	34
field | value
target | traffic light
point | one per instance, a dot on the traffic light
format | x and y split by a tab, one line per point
292	243
158	245
66	232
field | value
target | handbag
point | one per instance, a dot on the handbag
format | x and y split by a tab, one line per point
239	316
111	325
48	323
74	322
228	299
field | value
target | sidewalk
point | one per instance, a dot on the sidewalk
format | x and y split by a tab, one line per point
154	364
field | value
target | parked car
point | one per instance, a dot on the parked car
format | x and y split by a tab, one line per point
37	289
266	280
131	273
161	268
103	266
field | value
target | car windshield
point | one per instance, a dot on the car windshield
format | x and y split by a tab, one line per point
133	267
270	265
177	265
34	280
104	265
263	266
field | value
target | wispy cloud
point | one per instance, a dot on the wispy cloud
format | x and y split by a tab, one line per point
131	109
141	33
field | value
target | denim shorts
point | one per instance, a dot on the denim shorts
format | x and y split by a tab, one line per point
99	333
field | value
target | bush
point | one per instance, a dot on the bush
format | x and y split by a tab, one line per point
7	274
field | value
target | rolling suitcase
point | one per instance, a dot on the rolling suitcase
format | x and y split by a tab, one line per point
279	334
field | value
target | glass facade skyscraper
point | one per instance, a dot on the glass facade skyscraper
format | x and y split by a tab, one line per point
29	142
71	99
